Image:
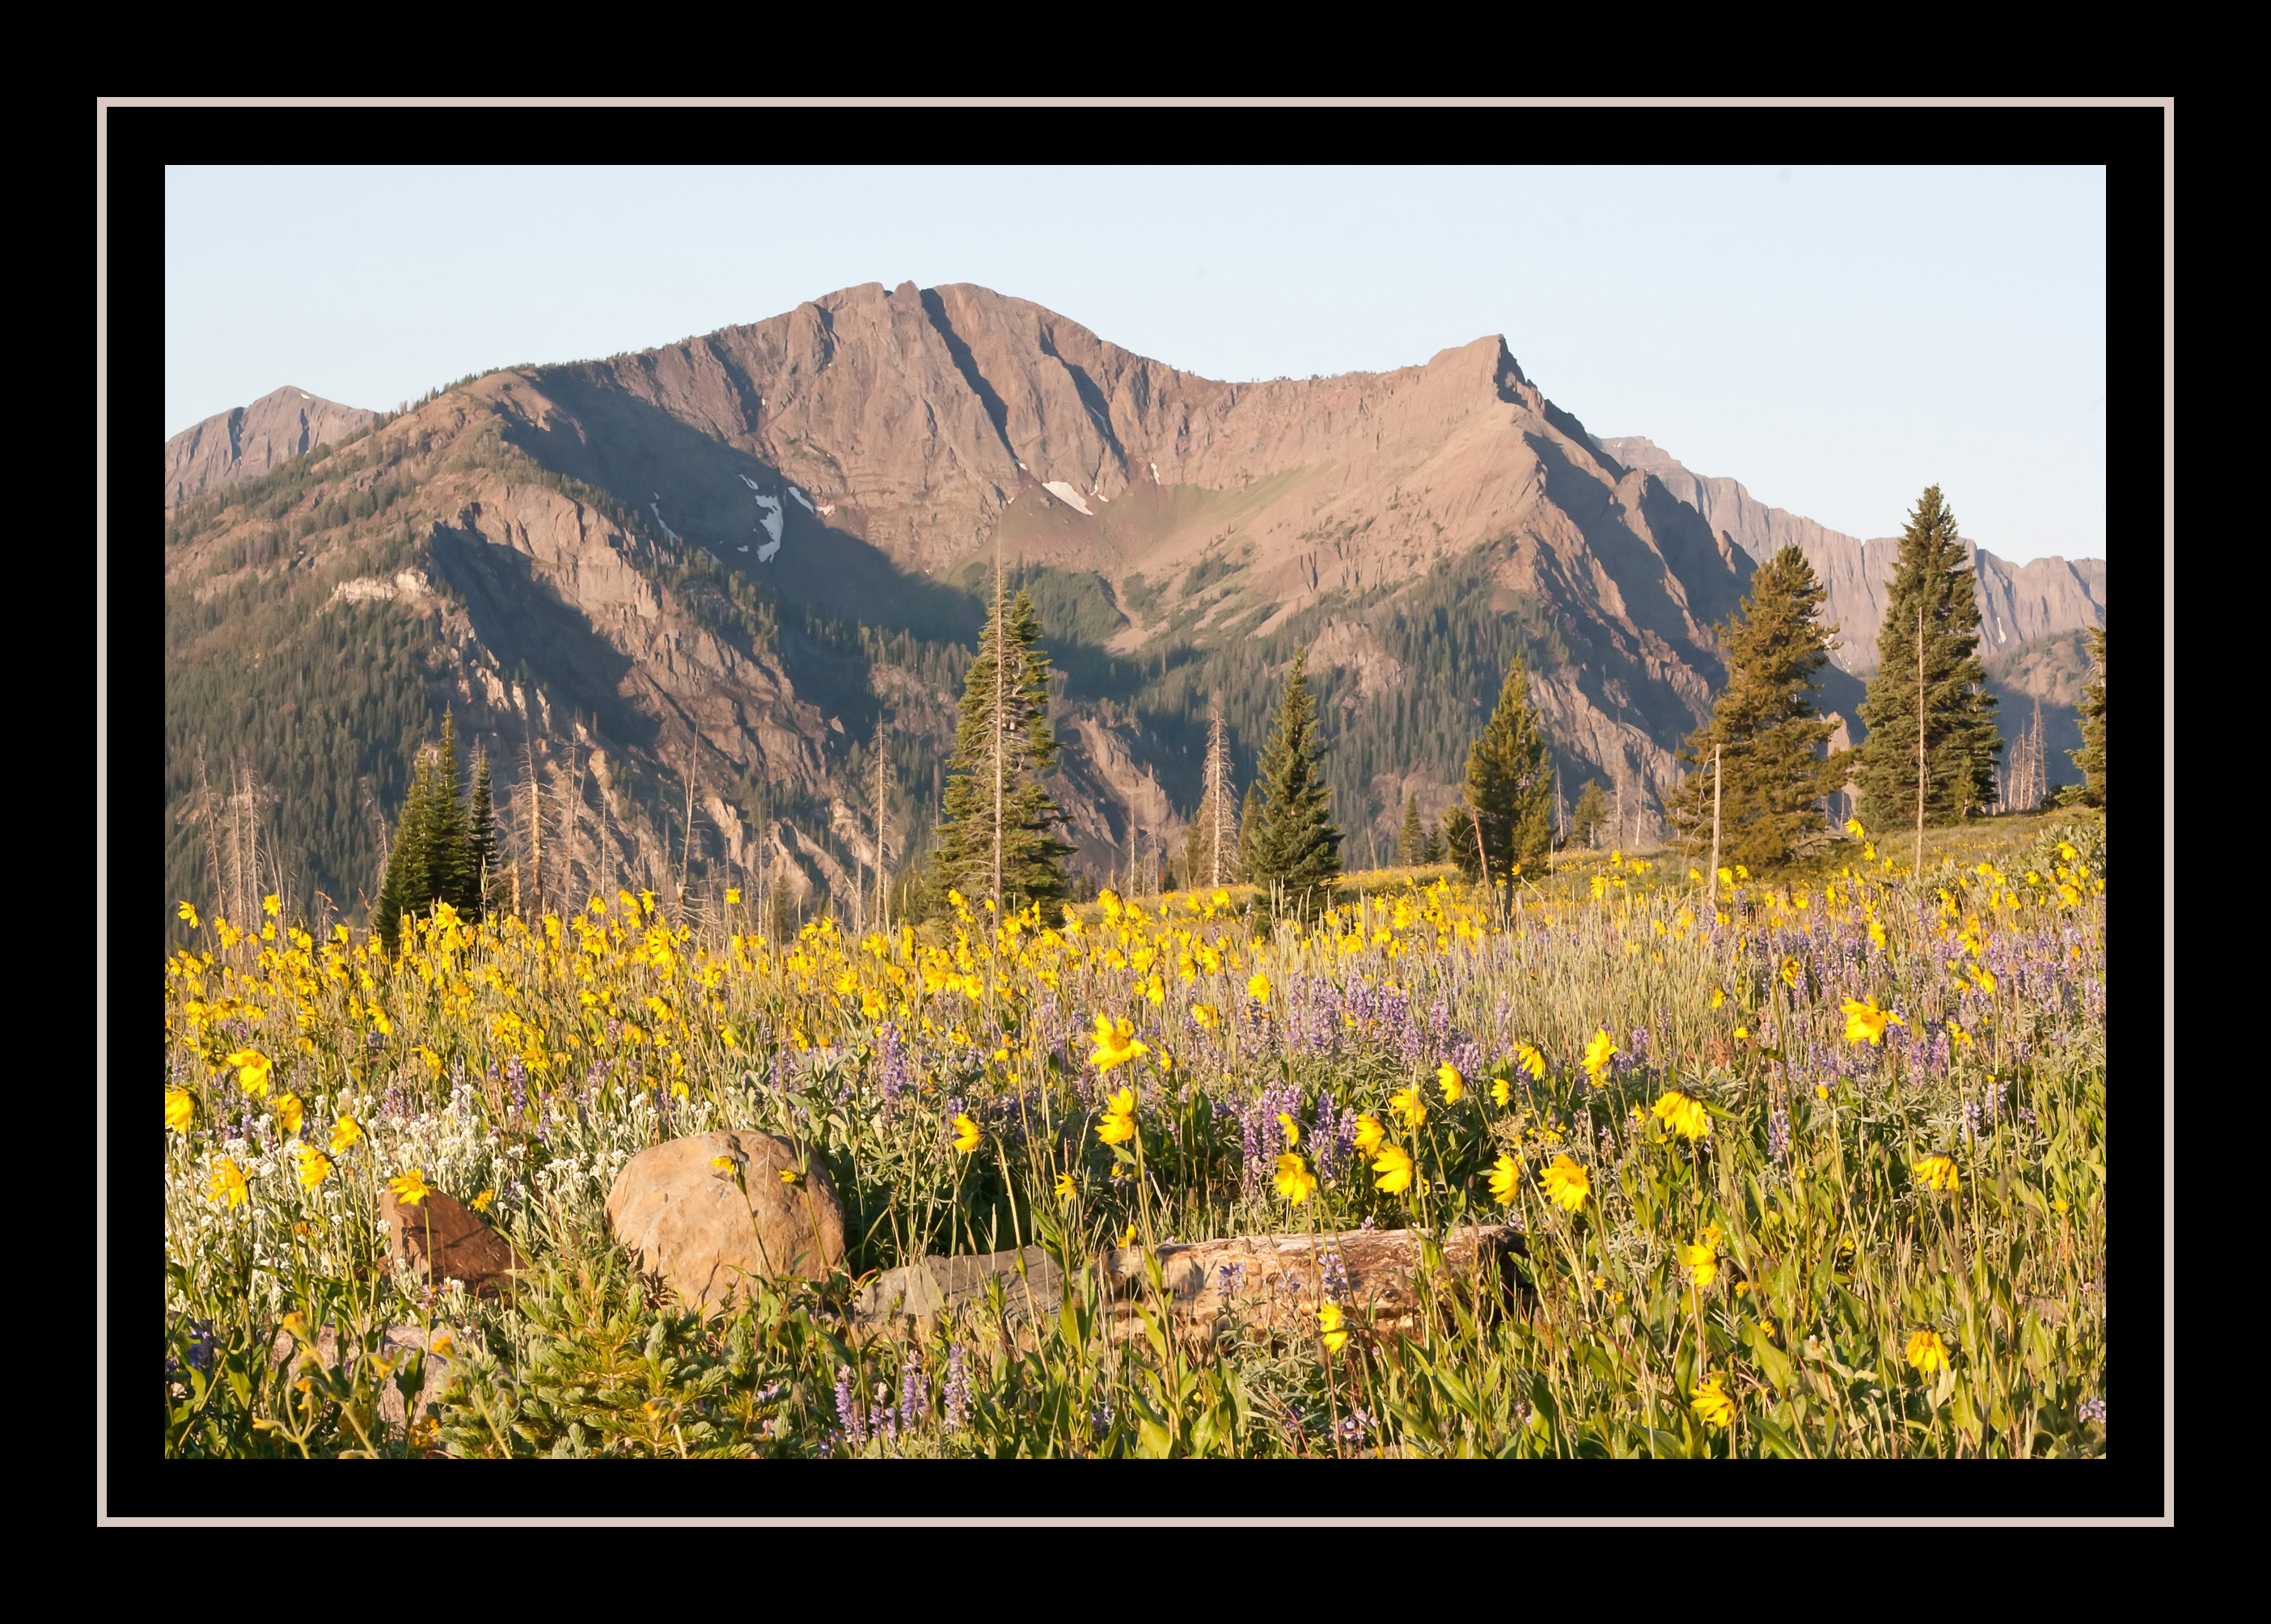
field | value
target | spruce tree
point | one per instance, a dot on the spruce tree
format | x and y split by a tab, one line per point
1960	736
1509	789
446	830
1297	850
1411	839
480	863
1774	765
1003	737
408	863
2091	756
1591	812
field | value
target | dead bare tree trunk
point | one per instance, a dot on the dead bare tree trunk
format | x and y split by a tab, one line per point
1920	753
1715	826
686	853
535	830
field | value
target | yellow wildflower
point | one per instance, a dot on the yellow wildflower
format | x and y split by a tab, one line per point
228	1183
966	1136
1505	1178
1294	1181
1408	1105
1258	986
1927	1352
1369	1135
1599	1052
344	1132
1502	1091
289	1113
315	1166
1712	1404
1865	1023
1116	1043
1702	1260
188	914
410	1189
1118	1124
1328	1326
733	895
1453	1084
1395	1170
1718	996
1203	1013
1853	828
1293	1129
252	1069
1936	1173
1527	1057
1683	1113
1064	1187
181	1106
1566	1184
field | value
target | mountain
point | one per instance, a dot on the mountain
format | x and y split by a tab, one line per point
703	574
2018	603
246	441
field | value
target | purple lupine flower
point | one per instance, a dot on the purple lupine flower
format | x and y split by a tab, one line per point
1970	1121
2094	1410
1333	1275
914	1392
957	1389
847	1411
1778	1133
1468	1057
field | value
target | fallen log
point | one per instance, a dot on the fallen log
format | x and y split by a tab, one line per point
1380	1277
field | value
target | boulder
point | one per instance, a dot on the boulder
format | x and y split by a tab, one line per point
708	1230
441	1239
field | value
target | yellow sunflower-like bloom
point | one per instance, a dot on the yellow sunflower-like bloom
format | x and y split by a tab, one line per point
410	1189
1295	1182
1501	1092
1293	1129
228	1183
1395	1170
1453	1084
1258	986
1712	1404
252	1069
1936	1173
1599	1051
1118	1124
1566	1184
1409	1107
1329	1325
1505	1179
1703	1263
1683	1113
181	1107
1203	1013
966	1136
1116	1043
1853	828
1064	1187
1369	1135
1527	1057
344	1132
289	1113
315	1166
1926	1352
1865	1023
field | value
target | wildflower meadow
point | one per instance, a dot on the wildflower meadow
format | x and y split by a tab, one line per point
1806	1167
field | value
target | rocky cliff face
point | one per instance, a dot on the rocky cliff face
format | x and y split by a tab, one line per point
2018	603
245	441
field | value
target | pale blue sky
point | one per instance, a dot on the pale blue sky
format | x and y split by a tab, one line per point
1835	339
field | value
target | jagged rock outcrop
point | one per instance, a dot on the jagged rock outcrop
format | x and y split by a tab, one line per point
2018	603
245	441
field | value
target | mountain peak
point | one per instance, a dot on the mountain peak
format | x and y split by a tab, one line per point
245	441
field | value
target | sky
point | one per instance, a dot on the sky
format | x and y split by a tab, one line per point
1835	339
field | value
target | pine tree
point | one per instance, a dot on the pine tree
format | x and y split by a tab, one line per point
446	830
409	865
1411	839
1774	763
1004	739
1296	851
2091	756
1591	812
480	865
1249	829
1960	736
1509	789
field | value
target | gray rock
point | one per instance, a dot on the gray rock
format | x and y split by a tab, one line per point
710	1231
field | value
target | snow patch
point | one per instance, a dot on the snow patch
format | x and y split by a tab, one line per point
1155	474
656	507
825	509
765	553
801	497
1066	495
772	520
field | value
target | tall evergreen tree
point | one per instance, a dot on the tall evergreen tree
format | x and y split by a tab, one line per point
446	826
1591	812
1774	763
409	863
1411	839
480	864
1960	736
1296	851
1002	747
1249	829
1509	789
2091	756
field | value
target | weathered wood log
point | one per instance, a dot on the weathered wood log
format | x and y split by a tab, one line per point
1268	1282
